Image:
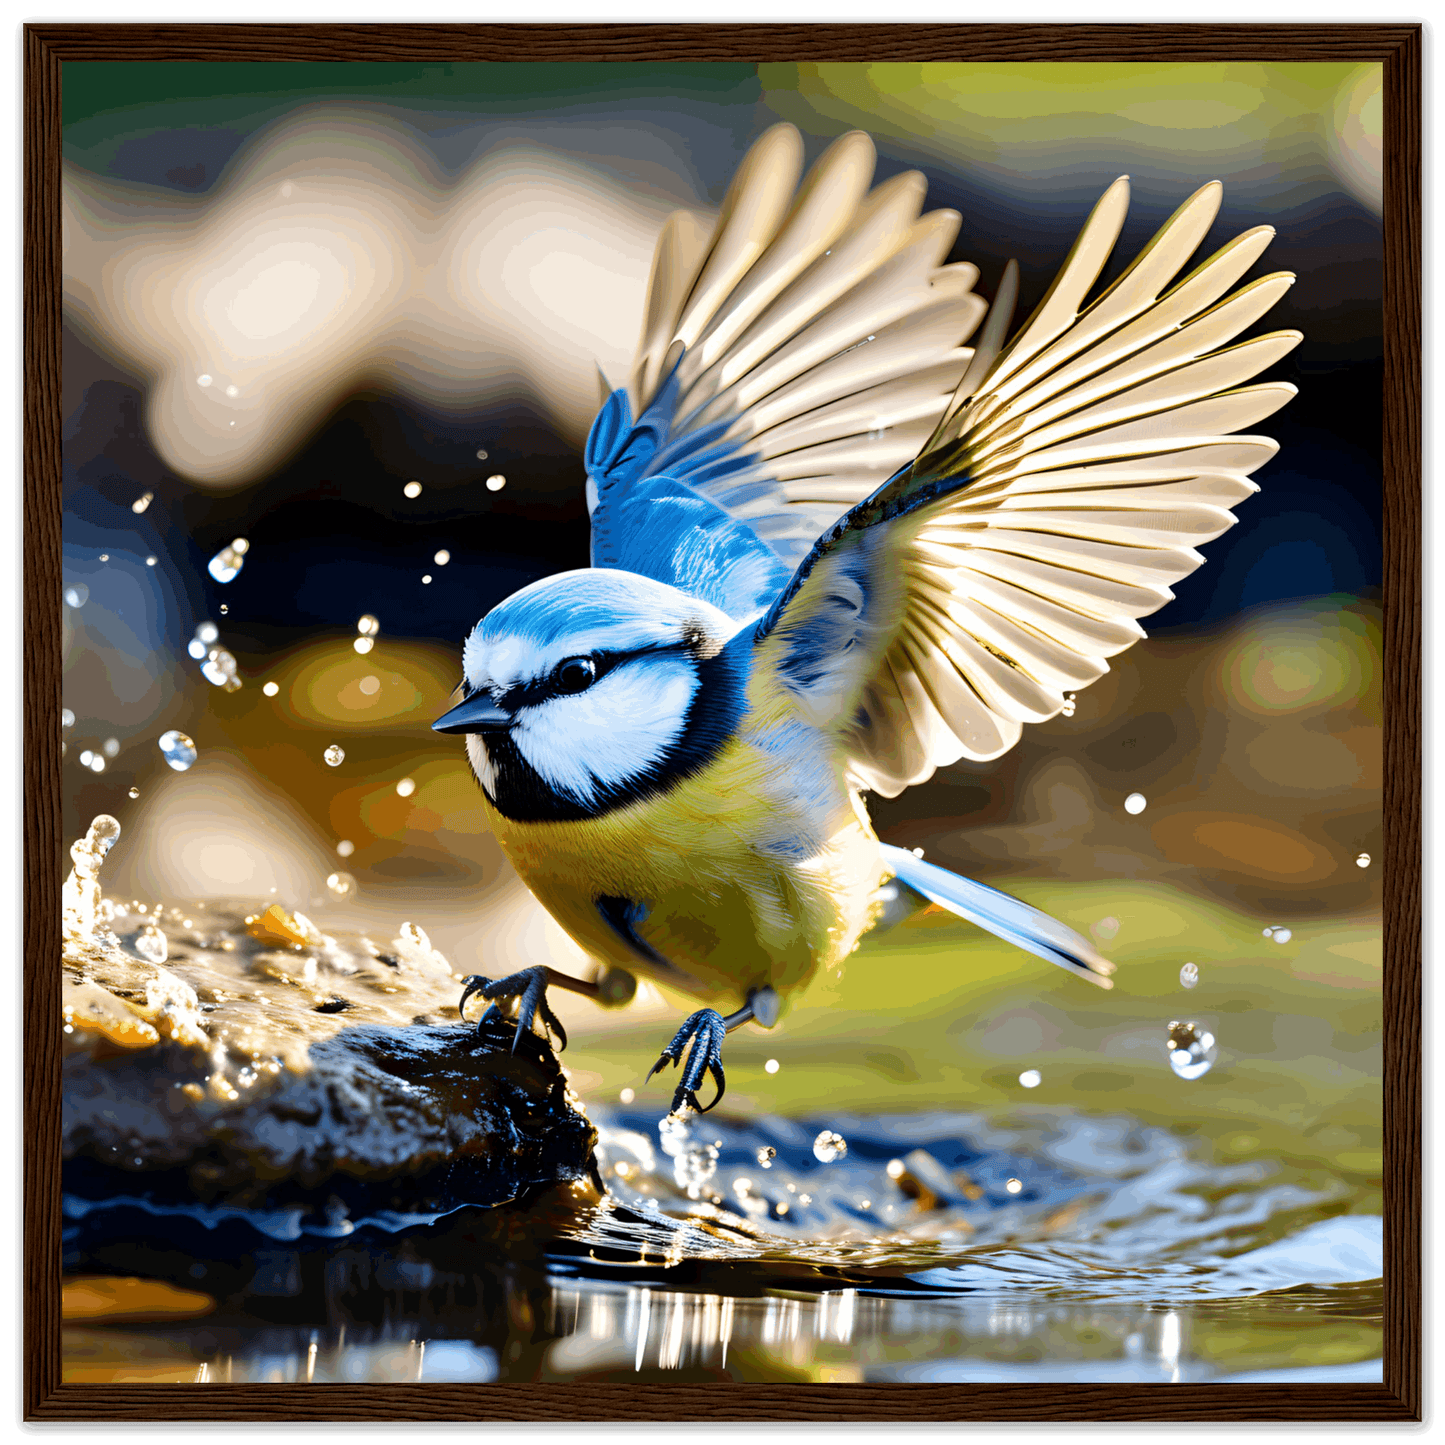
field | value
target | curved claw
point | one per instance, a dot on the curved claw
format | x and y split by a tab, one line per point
529	988
707	1031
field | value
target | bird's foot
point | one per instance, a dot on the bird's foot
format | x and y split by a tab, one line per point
707	1031
529	988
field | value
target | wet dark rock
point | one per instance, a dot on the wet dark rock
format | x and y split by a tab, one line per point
218	1060
404	1121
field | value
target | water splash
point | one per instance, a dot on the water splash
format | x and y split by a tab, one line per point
828	1147
81	896
1189	975
178	750
1192	1050
226	565
334	756
151	944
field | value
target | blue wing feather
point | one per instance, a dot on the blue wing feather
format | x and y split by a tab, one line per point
650	521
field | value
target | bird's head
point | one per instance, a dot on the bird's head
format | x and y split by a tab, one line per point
590	690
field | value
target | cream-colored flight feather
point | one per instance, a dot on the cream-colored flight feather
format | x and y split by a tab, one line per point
822	326
1063	479
1096	456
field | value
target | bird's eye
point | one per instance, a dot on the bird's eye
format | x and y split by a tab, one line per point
576	674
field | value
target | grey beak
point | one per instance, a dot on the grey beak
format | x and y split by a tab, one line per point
478	714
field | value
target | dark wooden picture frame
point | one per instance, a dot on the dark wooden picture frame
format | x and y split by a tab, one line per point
1398	48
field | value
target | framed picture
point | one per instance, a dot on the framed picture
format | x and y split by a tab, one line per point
866	573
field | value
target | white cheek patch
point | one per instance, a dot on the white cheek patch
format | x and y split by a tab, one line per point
613	732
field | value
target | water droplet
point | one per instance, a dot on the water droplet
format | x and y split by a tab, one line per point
341	885
1070	705
1191	1050
226	565
178	750
345	848
917	852
1105	928
406	787
224	609
67	718
1015	1186
363	645
207	632
412	489
496	483
426	579
287	188
1363	861
135	792
367	625
204	379
1189	975
828	1147
77	595
1268	932
370	685
150	561
771	1066
219	668
442	557
1135	803
1282	935
271	689
627	1095
97	763
196	648
481	454
233	391
1031	1078
105	556
151	944
142	502
766	1155
334	756
85	758
110	747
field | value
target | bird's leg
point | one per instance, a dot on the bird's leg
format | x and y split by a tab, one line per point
707	1028
529	988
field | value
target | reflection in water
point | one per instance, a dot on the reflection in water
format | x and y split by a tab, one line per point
1119	1257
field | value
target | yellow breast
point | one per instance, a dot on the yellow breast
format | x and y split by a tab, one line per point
748	878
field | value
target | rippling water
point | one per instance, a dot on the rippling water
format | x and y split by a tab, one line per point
1122	1253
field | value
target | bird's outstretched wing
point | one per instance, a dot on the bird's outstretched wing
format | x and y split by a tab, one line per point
791	360
1065	487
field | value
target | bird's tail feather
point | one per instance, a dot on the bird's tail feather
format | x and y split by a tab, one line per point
1005	917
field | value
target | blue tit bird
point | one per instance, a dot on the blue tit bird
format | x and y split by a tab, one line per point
833	549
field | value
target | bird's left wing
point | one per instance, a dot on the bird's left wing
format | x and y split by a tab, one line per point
1065	488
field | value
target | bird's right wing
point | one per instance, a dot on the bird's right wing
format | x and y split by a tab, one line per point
792	358
1066	486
